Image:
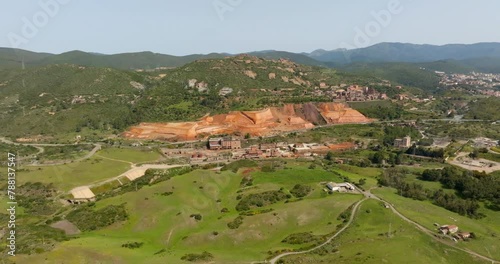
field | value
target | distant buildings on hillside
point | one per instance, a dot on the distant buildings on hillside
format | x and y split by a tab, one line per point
224	143
402	142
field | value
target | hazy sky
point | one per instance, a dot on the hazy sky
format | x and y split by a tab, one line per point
182	27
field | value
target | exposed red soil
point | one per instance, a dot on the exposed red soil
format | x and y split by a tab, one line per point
257	123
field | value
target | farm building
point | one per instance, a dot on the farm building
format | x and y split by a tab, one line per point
340	187
82	195
332	187
464	235
451	229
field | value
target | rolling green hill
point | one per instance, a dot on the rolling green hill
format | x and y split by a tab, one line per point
298	58
139	60
60	99
486	109
127	61
406	74
13	58
486	65
65	99
254	83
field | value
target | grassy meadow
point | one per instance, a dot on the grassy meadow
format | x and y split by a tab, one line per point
425	213
379	236
164	223
130	155
71	175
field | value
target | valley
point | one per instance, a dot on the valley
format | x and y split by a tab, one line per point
249	158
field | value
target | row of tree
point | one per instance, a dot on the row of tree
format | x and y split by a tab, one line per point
396	178
469	185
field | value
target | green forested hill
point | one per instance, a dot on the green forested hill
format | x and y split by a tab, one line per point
406	52
13	58
64	98
486	109
254	82
403	73
127	61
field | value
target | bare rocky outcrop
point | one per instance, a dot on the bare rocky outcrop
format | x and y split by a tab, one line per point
251	74
257	123
137	85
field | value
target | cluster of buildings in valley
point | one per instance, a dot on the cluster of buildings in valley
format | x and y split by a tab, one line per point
230	148
487	82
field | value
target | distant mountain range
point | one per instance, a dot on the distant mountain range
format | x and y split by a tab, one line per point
402	52
454	57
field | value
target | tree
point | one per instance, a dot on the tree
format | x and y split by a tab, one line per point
474	154
362	182
329	156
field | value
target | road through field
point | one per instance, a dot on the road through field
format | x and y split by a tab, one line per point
369	195
427	231
40	148
353	213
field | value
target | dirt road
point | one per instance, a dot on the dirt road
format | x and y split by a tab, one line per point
369	195
353	213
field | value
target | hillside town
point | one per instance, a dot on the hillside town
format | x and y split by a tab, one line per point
487	83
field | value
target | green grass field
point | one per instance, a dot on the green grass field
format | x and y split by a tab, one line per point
163	223
357	173
368	241
295	174
490	156
66	177
130	155
65	152
426	214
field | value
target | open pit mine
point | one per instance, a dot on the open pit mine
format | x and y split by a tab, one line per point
266	122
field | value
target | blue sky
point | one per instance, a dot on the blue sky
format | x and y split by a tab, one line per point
183	27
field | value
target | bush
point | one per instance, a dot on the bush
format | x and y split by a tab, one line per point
246	182
205	256
260	200
300	238
268	168
133	245
197	217
87	219
300	190
235	166
235	223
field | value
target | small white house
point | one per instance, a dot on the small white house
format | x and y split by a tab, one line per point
332	187
339	187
